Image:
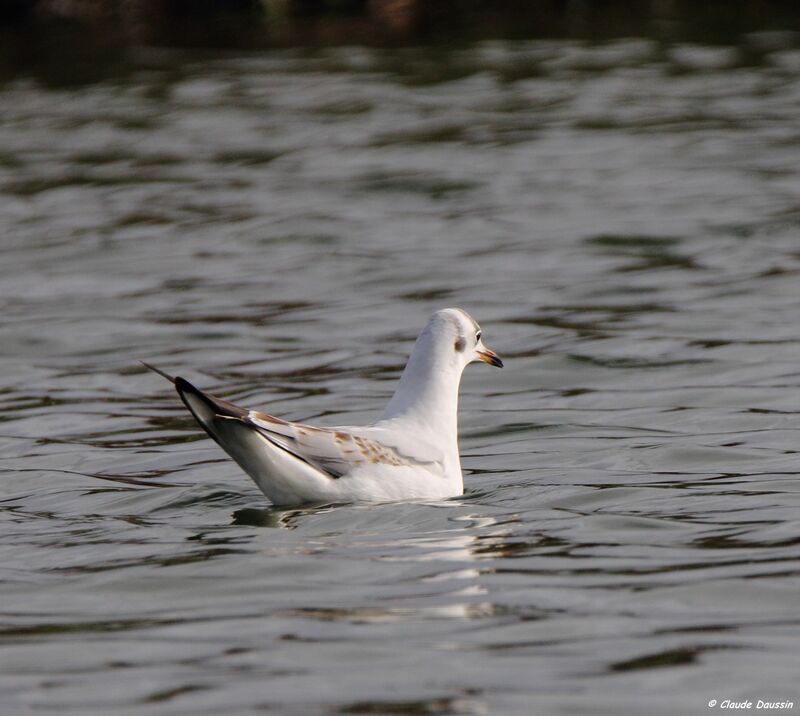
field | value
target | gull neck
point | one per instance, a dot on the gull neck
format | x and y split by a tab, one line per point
428	390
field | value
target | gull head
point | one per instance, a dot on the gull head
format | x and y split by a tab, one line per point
457	339
428	390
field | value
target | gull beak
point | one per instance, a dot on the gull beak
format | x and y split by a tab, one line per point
490	357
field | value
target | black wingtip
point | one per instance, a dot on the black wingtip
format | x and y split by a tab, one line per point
181	385
221	408
167	376
184	388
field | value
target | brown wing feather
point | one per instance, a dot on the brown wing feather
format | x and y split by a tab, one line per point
334	451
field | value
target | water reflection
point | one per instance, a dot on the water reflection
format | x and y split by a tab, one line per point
275	517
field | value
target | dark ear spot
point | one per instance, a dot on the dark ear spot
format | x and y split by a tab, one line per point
461	344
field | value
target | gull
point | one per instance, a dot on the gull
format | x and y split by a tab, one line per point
409	453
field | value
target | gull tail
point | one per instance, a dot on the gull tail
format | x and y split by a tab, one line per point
226	424
277	472
208	410
283	477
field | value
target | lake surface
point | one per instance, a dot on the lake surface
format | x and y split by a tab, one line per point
621	218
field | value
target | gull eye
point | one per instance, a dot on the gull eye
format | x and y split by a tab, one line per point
478	337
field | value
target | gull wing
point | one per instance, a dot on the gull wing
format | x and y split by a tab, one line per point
338	451
334	452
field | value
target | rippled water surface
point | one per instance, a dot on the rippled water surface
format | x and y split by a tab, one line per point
623	221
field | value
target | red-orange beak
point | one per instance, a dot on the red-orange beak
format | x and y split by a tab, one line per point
490	357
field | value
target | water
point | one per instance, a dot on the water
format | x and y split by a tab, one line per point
621	218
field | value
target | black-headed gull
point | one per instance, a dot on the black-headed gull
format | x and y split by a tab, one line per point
410	452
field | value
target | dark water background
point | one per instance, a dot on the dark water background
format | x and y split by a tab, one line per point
621	217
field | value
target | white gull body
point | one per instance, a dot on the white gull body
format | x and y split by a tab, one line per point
410	452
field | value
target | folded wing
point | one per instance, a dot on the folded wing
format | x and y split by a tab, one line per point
333	452
339	451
